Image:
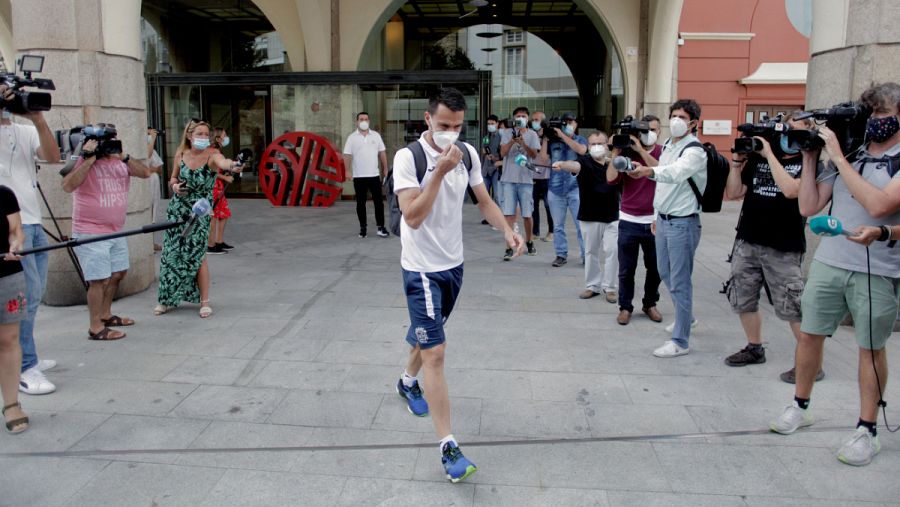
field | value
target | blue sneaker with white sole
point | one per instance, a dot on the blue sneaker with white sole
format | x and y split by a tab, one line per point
415	401
455	464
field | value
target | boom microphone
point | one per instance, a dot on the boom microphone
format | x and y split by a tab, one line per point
623	164
827	225
200	208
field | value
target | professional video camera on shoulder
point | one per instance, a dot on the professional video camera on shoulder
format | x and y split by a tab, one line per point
847	120
22	101
628	127
770	129
71	143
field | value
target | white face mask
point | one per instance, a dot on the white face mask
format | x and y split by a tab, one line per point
648	139
678	127
521	122
444	138
6	115
363	125
492	128
599	151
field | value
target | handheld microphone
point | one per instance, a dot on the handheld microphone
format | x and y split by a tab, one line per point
522	160
623	164
200	208
827	225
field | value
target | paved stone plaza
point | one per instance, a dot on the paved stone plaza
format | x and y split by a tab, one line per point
306	345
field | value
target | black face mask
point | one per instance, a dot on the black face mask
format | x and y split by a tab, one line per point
882	129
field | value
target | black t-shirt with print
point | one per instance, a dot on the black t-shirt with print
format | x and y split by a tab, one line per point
599	199
769	218
8	205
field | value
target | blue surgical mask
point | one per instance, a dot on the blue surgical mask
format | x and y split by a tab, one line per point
492	128
568	129
200	143
535	125
226	141
5	114
784	146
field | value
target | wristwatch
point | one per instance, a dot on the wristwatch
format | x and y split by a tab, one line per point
126	159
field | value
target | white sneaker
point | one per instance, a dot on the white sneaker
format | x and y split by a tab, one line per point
33	381
671	327
670	349
860	449
792	419
46	364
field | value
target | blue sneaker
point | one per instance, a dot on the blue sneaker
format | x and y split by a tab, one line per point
415	402
455	464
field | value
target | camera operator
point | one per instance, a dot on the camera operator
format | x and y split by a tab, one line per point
563	186
678	225
770	241
541	177
491	163
636	225
99	184
846	276
20	146
516	182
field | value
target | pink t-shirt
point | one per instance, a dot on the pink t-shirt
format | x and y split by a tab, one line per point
101	202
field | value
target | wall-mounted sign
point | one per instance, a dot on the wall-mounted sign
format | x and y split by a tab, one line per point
717	127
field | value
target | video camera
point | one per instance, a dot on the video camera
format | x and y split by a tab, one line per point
847	120
628	127
25	102
549	128
72	141
769	129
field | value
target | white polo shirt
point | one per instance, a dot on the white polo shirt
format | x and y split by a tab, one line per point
437	244
18	148
364	149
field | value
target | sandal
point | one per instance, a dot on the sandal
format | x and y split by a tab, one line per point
105	335
21	423
161	309
116	321
205	309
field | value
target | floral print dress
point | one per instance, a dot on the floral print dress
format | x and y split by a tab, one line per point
182	257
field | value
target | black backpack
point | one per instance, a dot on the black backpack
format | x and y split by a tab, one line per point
716	177
421	164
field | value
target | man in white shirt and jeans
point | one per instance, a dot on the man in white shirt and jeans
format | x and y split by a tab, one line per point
432	259
20	146
678	217
362	151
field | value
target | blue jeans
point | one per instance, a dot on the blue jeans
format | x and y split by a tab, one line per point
676	243
558	206
35	267
492	185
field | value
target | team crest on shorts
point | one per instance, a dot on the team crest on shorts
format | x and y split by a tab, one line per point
421	334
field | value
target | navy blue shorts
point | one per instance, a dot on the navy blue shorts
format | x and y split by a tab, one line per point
430	298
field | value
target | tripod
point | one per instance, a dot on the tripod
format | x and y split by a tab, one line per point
59	237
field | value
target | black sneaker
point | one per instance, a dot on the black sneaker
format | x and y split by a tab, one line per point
484	222
225	246
215	250
790	376
382	232
560	261
531	249
747	355
509	254
362	232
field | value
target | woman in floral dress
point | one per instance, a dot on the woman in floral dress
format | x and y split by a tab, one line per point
12	297
183	271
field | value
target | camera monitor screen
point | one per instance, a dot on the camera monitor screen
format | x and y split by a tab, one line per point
31	63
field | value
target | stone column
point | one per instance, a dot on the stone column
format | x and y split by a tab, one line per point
93	54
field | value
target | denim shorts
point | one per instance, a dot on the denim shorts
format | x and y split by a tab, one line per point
517	193
832	292
101	259
430	298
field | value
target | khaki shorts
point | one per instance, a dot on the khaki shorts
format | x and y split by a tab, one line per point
832	292
751	265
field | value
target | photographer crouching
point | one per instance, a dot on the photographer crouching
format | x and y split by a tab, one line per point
99	184
847	276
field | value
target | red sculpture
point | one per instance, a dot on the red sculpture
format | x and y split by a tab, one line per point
301	169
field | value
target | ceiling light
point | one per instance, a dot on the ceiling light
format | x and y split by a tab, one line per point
478	3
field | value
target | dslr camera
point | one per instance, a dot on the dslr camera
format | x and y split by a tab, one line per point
769	129
22	101
847	120
628	127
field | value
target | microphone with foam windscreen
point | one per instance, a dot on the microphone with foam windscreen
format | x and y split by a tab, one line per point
827	225
200	208
522	160
623	164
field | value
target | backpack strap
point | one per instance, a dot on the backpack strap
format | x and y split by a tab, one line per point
466	156
694	144
419	159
